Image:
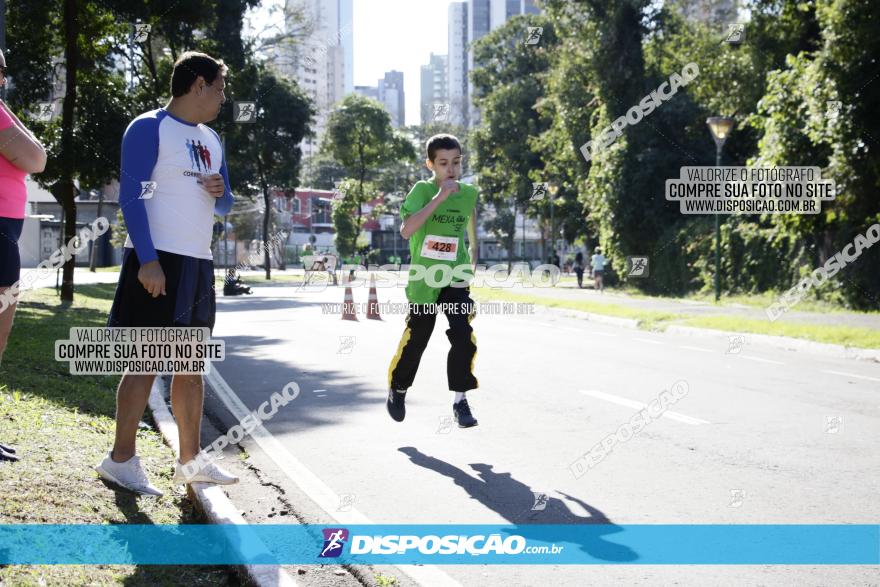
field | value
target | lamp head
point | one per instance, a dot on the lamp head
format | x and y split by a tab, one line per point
720	127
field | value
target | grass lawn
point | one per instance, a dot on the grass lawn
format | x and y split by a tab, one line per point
648	318
61	426
653	320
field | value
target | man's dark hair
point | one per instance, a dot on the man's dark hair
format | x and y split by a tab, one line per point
191	65
441	141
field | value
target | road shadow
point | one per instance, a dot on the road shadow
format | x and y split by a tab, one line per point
516	502
255	379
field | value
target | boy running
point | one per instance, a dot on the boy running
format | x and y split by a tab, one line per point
435	215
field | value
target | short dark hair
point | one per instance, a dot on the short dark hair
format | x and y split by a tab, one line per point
441	141
189	66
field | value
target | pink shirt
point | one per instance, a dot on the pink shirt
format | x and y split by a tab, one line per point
13	191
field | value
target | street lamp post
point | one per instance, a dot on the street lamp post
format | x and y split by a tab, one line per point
553	190
720	127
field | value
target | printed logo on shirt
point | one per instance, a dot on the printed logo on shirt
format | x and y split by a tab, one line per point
199	156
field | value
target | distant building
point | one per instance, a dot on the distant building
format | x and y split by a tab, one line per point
484	16
392	96
322	64
367	91
41	234
479	22
457	63
721	12
434	89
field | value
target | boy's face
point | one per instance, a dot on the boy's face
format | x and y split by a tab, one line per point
446	164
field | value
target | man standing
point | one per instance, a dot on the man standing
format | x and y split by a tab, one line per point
167	270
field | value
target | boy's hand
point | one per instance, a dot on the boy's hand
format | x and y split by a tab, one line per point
447	187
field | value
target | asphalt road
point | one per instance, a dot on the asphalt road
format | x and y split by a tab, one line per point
762	435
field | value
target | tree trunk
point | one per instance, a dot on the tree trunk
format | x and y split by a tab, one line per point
93	257
66	188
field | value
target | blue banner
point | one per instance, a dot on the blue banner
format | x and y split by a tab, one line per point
711	544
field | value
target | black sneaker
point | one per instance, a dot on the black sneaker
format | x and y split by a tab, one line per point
7	453
396	404
461	411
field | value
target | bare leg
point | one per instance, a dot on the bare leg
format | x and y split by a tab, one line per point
187	394
131	400
6	317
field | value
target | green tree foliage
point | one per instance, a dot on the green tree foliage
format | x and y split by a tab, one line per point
507	156
69	42
360	138
797	59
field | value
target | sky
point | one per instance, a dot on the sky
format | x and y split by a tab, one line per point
401	35
389	34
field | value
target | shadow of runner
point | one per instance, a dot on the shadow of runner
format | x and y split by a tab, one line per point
513	500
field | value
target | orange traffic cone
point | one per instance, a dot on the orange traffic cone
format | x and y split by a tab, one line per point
348	309
373	302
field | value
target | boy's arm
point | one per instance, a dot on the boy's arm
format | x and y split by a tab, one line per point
472	237
415	221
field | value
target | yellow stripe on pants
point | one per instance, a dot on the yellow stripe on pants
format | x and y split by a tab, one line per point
394	361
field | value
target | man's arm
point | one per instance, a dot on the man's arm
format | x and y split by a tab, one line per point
225	200
140	150
415	221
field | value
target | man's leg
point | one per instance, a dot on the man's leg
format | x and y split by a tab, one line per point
132	396
187	396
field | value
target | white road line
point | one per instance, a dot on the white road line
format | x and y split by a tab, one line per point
694	348
648	340
850	375
318	390
310	484
760	360
622	401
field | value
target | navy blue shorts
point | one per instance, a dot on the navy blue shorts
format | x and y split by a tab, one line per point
10	261
189	289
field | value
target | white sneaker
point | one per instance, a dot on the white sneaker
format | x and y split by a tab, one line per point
210	472
129	474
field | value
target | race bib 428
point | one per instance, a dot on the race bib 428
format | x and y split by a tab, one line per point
442	248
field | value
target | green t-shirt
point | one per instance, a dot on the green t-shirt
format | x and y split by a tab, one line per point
440	240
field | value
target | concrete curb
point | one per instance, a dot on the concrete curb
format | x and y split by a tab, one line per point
218	509
784	342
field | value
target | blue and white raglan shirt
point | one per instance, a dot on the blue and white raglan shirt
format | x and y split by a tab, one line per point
163	205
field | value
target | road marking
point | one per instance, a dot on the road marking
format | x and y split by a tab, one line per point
622	401
850	375
760	360
694	348
648	340
317	490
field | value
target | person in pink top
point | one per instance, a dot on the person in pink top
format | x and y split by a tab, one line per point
20	153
